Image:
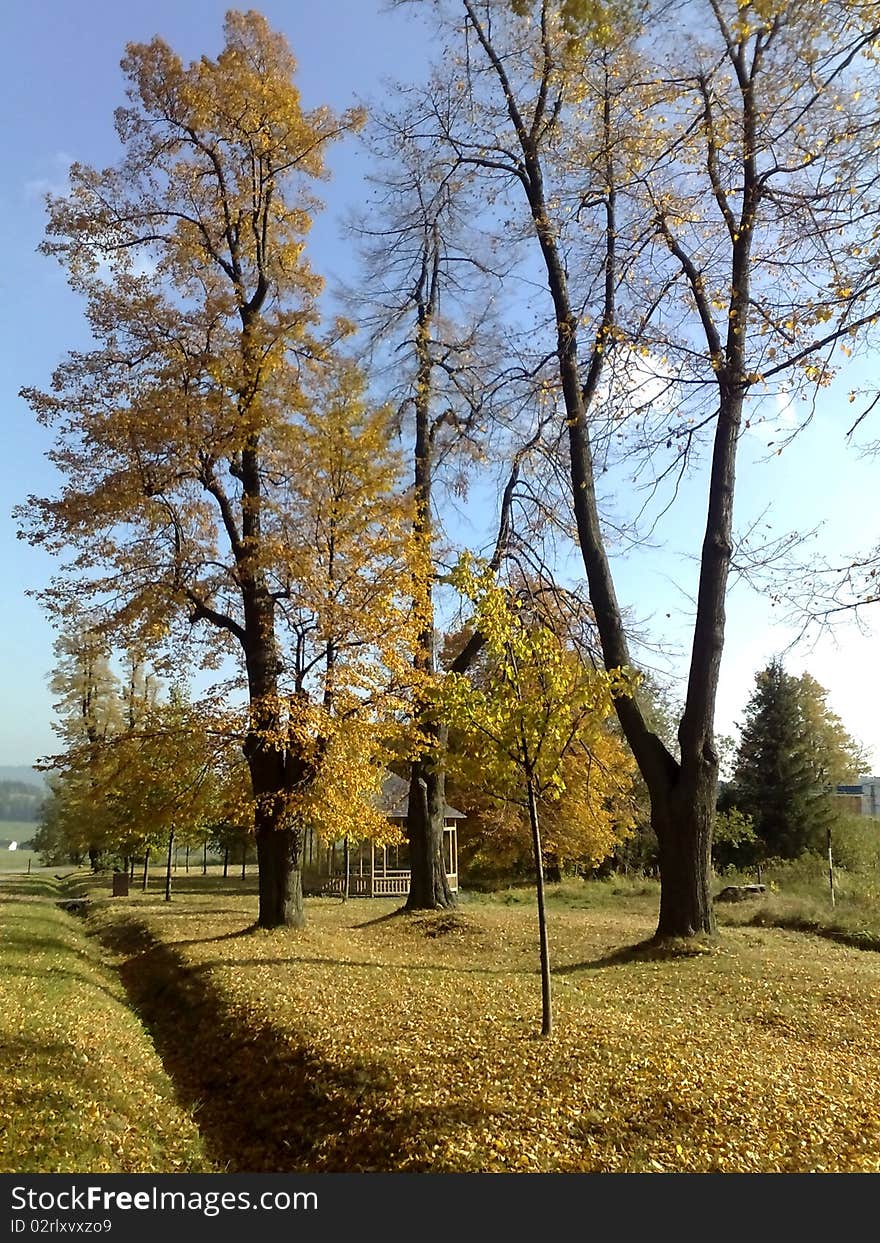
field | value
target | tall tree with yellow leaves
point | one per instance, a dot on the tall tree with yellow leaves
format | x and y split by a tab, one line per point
176	434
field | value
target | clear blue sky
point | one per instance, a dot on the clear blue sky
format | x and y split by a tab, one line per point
60	85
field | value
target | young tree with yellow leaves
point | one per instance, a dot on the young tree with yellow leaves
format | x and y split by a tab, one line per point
176	434
539	705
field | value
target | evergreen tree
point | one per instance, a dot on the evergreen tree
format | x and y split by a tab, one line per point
792	752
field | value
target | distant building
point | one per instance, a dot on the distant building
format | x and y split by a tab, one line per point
862	798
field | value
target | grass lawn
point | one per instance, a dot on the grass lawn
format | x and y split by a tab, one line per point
17	831
81	1087
371	1041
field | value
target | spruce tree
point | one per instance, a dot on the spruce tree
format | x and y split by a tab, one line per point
792	752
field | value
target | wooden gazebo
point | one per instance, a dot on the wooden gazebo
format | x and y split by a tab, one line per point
379	871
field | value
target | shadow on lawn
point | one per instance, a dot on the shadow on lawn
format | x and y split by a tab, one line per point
263	1100
651	950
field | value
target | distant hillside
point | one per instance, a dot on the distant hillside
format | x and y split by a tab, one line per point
20	801
20	772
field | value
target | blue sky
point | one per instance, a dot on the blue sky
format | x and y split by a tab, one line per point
61	83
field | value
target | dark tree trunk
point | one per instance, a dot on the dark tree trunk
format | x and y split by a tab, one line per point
279	852
552	870
275	773
186	860
546	1000
146	875
95	858
682	795
429	885
682	818
132	867
168	866
225	862
205	857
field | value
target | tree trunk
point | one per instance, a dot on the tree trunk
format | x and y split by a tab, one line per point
279	852
95	858
168	866
429	885
146	870
346	858
205	857
225	862
275	773
546	1000
682	817
186	860
684	827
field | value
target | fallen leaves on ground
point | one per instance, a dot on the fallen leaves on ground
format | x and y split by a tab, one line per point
81	1087
372	1042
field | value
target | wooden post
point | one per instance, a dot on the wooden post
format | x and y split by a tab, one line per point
830	869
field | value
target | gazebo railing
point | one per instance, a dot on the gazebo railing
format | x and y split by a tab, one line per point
390	884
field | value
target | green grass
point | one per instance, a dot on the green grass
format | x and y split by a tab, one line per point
576	894
81	1087
798	897
17	831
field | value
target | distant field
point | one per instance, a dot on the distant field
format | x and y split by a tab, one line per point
17	830
17	860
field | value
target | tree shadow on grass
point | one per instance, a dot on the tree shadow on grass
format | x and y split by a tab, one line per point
651	950
382	919
36	887
264	1100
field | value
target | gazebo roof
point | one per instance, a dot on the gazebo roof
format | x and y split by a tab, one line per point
394	798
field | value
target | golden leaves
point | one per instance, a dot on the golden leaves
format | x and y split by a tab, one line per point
81	1086
538	713
762	1058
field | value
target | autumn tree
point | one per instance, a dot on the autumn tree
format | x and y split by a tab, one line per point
733	181
176	433
165	785
591	814
89	712
540	705
426	297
